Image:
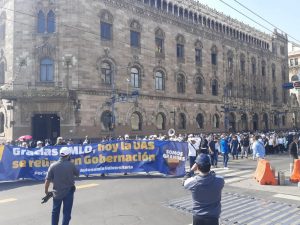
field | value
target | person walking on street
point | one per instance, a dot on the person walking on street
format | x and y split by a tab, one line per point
245	143
259	151
192	151
206	207
293	148
234	145
224	150
61	174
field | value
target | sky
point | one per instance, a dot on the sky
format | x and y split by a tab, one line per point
281	13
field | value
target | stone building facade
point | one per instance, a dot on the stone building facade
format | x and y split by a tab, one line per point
110	67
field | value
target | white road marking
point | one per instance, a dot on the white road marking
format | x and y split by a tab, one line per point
291	197
86	186
8	200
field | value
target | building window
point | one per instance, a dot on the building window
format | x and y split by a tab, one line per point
254	92
41	22
243	91
216	121
291	62
199	85
1	122
50	22
198	53
135	77
198	56
161	121
243	64
230	63
135	34
107	121
273	72
106	73
263	68
214	53
180	84
274	96
296	61
214	87
180	42
136	121
47	70
159	42
106	31
159	80
135	39
182	121
2	73
2	26
253	66
200	121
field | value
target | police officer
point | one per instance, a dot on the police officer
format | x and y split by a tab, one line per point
206	191
61	174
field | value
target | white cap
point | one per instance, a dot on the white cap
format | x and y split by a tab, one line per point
64	151
190	135
126	136
39	142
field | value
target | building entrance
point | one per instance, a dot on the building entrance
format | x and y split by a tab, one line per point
45	126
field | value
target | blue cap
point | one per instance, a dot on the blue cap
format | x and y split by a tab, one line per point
202	160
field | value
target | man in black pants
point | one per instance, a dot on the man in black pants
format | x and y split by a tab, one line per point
206	188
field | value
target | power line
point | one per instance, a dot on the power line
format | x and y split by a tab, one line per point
256	14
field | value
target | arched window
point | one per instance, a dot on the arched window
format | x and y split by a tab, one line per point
182	121
1	122
214	54
180	41
107	121
51	22
161	121
295	78
135	34
214	87
180	84
2	73
136	121
159	42
159	80
135	77
106	73
200	121
170	8
199	85
41	22
46	70
216	121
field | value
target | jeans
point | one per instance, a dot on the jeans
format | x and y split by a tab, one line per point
192	162
67	208
214	159
197	220
225	159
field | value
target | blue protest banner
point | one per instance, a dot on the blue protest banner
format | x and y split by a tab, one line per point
129	156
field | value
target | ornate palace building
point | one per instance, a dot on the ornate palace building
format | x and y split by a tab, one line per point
110	67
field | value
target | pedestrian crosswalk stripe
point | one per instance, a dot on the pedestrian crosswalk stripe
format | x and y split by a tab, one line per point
291	197
248	210
86	186
8	200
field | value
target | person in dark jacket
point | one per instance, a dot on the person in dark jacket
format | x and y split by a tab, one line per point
234	147
293	148
206	191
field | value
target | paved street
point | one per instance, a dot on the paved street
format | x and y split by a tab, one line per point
154	199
